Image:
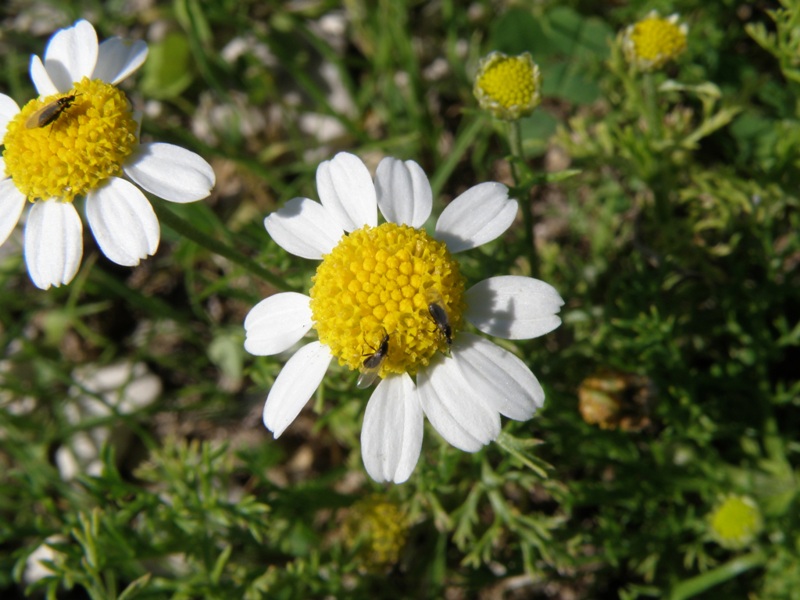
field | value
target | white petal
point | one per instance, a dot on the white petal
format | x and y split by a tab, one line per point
294	386
477	216
53	243
137	117
502	379
2	168
41	80
71	55
12	201
346	190
404	193
512	307
460	415
277	323
391	437
123	222
304	228
8	110
171	172
118	58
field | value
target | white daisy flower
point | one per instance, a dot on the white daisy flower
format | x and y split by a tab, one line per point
78	139
389	300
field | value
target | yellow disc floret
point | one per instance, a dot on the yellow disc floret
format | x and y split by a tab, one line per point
735	522
65	145
654	41
508	86
376	528
379	282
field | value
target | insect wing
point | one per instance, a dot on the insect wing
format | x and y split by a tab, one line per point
49	112
439	316
372	365
367	377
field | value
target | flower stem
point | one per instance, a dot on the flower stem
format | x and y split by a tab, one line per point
690	588
652	112
186	229
518	159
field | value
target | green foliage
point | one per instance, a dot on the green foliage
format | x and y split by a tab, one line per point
665	211
784	42
166	72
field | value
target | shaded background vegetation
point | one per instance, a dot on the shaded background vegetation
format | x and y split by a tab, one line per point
671	385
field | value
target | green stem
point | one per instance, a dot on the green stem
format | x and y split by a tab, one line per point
656	171
700	583
186	229
651	106
110	285
463	142
518	158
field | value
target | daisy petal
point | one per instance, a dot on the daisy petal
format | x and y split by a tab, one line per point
346	190
391	437
304	228
2	168
404	192
12	201
477	216
294	386
277	323
118	58
71	55
496	375
123	222
171	172
456	411
53	243
8	110
512	307
41	80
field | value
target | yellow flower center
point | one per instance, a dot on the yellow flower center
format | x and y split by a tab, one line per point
65	145
377	286
657	40
736	521
508	85
377	529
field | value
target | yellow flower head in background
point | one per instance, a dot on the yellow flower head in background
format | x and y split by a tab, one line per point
654	41
376	529
735	522
508	86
